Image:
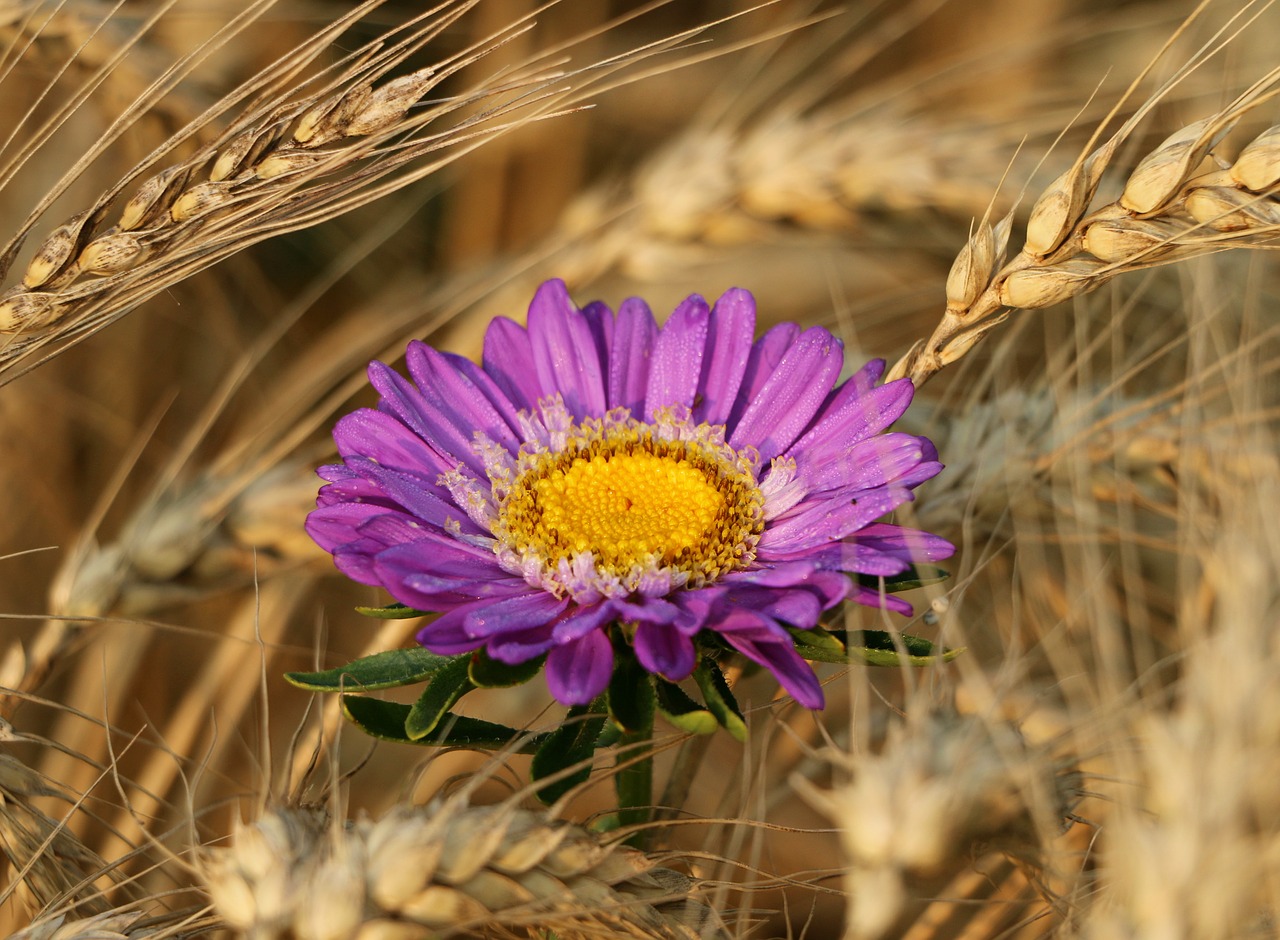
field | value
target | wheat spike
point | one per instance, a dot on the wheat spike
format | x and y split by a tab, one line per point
942	785
302	152
477	871
1173	207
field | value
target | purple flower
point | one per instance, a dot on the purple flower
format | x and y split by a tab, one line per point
599	475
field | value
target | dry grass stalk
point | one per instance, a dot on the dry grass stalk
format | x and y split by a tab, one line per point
51	866
1184	199
475	871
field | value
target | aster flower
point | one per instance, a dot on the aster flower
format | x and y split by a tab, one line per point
601	482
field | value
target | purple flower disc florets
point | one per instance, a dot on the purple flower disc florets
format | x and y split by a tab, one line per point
598	469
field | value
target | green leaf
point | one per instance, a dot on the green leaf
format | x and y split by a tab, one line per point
446	687
877	648
379	719
392	612
719	699
385	670
631	702
681	711
386	720
914	577
826	647
489	673
570	745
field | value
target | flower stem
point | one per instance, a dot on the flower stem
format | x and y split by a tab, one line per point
633	782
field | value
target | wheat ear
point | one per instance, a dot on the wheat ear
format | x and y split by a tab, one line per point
1184	199
337	142
494	871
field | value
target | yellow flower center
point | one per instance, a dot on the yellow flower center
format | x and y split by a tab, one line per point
635	503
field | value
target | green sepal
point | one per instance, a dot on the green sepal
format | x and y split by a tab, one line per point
631	699
386	721
446	687
385	670
392	612
914	577
719	699
876	648
570	745
681	711
488	673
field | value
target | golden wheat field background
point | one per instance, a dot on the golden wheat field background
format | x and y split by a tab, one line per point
214	214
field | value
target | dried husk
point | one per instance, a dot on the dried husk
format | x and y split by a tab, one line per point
1257	168
1032	288
1159	176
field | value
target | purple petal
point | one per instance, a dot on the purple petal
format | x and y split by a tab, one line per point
577	622
579	670
857	385
799	608
565	353
426	501
447	634
438	573
664	650
630	355
908	544
765	355
462	394
870	597
600	321
518	646
761	640
386	439
508	360
813	524
515	613
421	410
731	329
785	404
677	357
885	458
336	525
811	571
853	415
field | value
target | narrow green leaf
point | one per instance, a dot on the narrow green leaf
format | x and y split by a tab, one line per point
681	711
446	687
391	612
488	673
386	720
385	670
914	577
719	699
818	639
376	718
570	745
877	648
462	731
